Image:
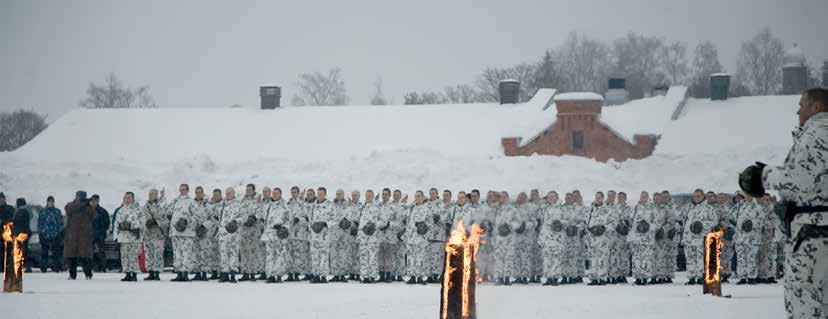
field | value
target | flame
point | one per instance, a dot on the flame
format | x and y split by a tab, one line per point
16	241
713	275
470	243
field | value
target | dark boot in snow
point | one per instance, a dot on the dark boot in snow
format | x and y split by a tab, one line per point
232	278
271	280
551	282
214	275
224	277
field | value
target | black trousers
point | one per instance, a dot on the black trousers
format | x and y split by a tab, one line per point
98	256
73	267
51	255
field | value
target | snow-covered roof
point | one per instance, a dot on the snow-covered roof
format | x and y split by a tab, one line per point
579	96
794	57
720	74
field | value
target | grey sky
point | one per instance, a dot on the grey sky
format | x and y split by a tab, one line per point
214	54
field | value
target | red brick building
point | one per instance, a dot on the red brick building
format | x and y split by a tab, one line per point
578	130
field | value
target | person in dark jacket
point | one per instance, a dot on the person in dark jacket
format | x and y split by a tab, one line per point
22	224
6	213
50	227
79	234
101	225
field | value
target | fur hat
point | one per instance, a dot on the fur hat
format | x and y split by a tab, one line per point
21	202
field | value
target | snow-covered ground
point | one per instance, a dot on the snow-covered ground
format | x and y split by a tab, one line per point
407	147
105	297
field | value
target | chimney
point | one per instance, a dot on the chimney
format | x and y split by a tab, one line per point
617	91
270	96
509	91
794	71
719	85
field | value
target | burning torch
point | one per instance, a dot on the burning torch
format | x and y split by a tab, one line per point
457	299
13	263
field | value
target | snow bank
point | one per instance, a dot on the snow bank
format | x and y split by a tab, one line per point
575	96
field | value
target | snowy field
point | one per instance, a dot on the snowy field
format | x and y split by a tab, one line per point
52	296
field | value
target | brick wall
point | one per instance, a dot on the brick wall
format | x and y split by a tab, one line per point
579	131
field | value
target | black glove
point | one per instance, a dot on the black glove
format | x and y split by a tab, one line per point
750	180
572	230
785	211
369	228
124	226
151	223
729	234
295	220
598	230
344	224
487	227
671	234
201	231
696	227
355	229
521	228
556	226
232	227
435	218
281	231
384	228
642	227
251	220
622	229
135	232
317	227
181	225
659	234
422	228
747	226
504	230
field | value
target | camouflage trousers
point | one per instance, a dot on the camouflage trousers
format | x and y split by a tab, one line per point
581	258
261	267
727	258
806	279
768	253
419	257
619	262
320	256
485	259
353	254
552	259
249	254
505	257
207	255
537	259
129	257
524	248
599	257
299	256
340	256
571	264
747	259
438	253
277	253
154	253
229	254
368	257
643	258
386	257
399	265
184	252
694	256
663	253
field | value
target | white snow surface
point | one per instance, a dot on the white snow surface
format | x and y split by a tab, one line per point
455	147
645	116
52	296
578	96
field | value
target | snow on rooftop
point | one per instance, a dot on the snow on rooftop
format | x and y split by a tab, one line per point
579	96
645	116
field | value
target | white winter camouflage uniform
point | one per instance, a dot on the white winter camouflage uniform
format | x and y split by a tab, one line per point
130	239
183	208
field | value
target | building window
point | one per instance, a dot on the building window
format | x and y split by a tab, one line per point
578	141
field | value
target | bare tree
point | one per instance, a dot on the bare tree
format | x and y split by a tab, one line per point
114	94
379	97
19	127
318	88
636	58
547	73
583	64
461	93
488	82
759	66
673	62
426	97
705	63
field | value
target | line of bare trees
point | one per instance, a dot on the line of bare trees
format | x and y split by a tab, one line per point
19	127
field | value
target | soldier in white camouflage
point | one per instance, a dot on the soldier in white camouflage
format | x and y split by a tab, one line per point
156	222
771	234
201	214
748	240
573	226
599	243
321	221
462	211
727	211
483	214
506	221
249	234
369	239
618	228
182	233
209	244
387	226
299	235
582	256
416	240
354	210
339	234
664	223
276	235
261	249
130	221
642	240
801	183
702	218
396	228
439	230
552	239
230	219
525	239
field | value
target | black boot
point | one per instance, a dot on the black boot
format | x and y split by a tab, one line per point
751	281
262	276
622	280
343	279
278	279
771	280
742	281
421	281
252	277
668	280
214	275
565	280
127	276
232	277
178	275
507	281
412	280
638	282
594	282
389	277
323	279
499	282
223	277
612	281
244	277
382	276
185	277
314	279
368	280
271	280
308	277
551	282
692	281
149	276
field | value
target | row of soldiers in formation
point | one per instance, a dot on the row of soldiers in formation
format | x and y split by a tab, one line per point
383	238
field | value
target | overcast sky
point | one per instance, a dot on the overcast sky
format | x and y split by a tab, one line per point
215	54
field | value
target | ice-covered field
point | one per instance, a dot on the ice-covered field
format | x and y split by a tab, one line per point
105	297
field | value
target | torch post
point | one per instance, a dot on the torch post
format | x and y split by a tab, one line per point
712	263
457	295
13	262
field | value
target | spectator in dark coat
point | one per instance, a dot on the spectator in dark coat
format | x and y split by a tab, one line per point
50	227
6	213
79	234
21	220
101	225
